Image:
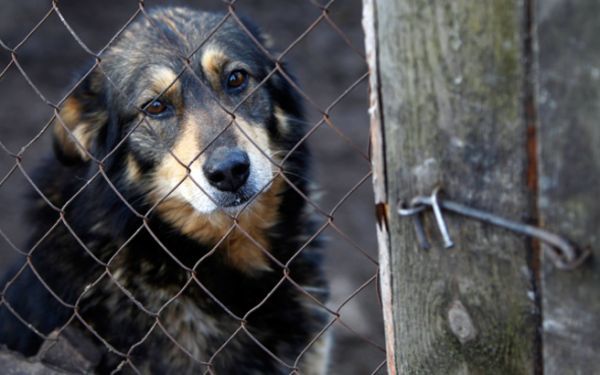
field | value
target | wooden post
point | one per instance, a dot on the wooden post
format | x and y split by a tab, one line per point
448	91
569	180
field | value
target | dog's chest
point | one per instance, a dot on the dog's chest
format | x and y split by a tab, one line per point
184	334
194	332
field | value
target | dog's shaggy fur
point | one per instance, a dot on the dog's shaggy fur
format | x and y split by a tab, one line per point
135	240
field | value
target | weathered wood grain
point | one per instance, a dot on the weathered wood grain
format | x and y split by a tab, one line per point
451	85
569	179
378	166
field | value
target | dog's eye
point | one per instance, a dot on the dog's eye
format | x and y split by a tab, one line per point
237	79
155	107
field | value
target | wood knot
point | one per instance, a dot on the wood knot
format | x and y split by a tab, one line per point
460	322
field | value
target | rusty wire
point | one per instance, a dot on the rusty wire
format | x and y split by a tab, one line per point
335	314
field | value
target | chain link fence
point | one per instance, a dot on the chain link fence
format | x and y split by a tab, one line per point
41	44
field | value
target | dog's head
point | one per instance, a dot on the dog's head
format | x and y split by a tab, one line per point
190	107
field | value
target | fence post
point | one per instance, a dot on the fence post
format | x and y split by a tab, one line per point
569	183
448	96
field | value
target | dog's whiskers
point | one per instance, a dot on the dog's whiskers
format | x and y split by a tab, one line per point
288	173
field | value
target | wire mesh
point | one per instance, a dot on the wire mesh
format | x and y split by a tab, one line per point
14	59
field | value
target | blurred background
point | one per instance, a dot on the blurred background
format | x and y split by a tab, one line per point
328	62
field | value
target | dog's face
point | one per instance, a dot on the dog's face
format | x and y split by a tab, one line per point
195	114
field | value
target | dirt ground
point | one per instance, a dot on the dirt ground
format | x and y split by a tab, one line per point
325	66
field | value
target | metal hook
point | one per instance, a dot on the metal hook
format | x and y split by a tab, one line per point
562	253
437	211
416	212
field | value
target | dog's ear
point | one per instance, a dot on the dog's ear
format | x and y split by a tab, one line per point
263	38
80	119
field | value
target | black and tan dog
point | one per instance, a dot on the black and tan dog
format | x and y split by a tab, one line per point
164	227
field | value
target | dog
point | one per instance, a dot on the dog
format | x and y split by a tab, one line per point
171	225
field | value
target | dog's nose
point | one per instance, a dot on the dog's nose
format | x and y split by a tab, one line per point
227	169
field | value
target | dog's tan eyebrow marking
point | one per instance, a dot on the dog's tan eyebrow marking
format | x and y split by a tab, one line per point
213	60
162	79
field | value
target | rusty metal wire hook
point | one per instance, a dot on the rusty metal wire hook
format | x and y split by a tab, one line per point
563	253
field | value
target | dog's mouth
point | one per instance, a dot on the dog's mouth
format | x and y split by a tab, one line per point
235	200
